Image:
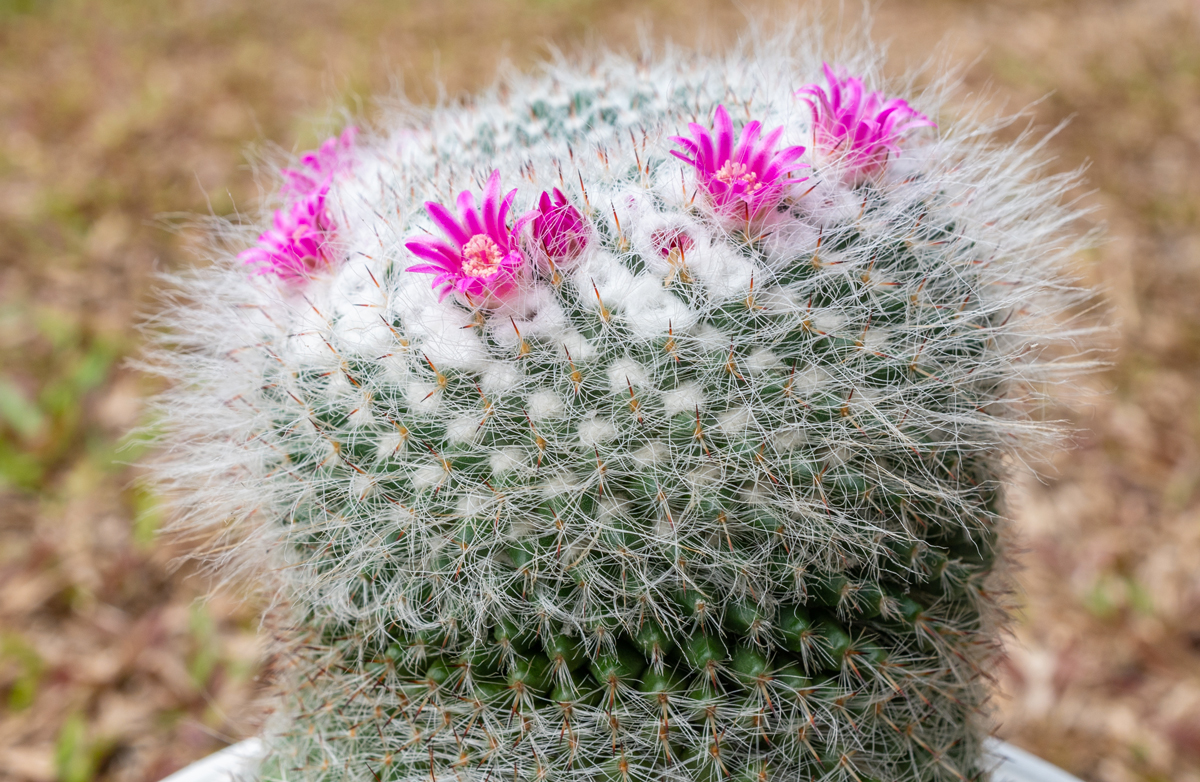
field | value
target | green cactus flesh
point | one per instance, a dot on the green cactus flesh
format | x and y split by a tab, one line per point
681	606
731	510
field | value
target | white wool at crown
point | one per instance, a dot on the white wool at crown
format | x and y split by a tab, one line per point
380	206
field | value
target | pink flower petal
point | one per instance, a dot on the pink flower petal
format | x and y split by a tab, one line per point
479	259
860	128
743	181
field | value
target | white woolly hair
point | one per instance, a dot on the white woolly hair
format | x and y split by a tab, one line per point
836	383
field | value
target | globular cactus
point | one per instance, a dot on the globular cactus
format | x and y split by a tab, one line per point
683	460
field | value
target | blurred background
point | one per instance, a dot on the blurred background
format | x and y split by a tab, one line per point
119	119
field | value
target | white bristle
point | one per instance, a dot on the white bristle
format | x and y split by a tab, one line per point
810	408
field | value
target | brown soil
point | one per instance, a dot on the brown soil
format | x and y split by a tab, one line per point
116	115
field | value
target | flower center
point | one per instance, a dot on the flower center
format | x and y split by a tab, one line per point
731	173
481	257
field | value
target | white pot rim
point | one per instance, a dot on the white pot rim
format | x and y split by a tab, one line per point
239	763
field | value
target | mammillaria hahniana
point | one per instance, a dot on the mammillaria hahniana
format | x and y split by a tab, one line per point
681	459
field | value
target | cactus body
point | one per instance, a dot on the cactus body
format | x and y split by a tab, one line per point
704	495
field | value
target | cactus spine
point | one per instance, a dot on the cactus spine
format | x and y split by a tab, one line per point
700	492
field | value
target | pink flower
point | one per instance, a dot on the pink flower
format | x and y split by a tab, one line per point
669	240
298	244
740	182
559	229
479	259
858	126
321	165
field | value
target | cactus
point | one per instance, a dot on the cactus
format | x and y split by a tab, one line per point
681	460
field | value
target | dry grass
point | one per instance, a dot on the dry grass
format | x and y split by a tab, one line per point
113	113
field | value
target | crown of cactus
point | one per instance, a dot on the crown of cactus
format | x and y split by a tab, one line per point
595	429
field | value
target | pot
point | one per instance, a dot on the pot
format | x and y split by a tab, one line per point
239	762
